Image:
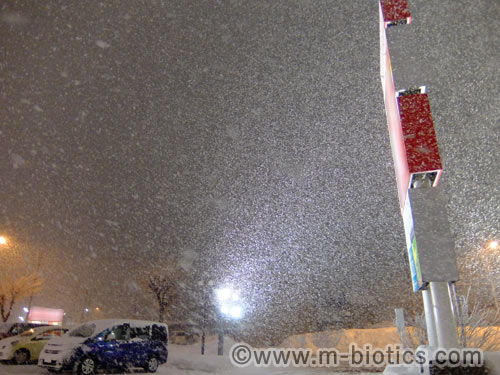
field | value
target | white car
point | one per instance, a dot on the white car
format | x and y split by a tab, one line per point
6	346
28	345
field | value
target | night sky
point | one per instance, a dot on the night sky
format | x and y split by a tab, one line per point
247	138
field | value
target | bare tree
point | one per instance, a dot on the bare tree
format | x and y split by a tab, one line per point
416	334
477	329
165	282
13	288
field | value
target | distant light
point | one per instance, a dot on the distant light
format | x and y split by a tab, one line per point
86	310
21	319
231	310
493	244
227	294
236	312
25	309
3	240
225	309
224	294
97	309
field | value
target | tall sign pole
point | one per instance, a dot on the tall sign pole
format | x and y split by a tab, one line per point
418	169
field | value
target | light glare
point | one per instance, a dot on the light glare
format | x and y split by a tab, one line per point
236	312
224	309
224	294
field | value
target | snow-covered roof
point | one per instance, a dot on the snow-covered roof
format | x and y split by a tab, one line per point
112	322
101	325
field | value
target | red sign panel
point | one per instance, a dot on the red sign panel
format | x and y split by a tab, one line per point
395	12
422	152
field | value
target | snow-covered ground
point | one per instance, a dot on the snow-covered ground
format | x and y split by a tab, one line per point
187	360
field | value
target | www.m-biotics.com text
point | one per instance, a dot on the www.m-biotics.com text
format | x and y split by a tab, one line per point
242	355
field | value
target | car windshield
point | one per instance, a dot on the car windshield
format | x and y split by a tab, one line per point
85	330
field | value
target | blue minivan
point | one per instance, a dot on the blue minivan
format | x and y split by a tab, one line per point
108	344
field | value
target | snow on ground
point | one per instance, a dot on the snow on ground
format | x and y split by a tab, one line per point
167	370
187	360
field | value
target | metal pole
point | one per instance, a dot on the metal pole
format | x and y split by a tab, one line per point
401	325
204	318
459	315
220	346
430	323
446	328
203	342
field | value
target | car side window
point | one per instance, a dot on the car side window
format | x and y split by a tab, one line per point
139	333
159	333
119	333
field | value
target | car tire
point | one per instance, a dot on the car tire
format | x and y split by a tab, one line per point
152	364
86	366
21	356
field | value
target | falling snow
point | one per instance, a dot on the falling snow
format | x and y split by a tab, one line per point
247	140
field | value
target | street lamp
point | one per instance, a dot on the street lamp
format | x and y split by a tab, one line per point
229	307
203	284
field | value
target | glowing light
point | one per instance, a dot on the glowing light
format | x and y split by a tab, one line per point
224	294
229	302
3	240
21	319
236	312
493	244
224	309
25	309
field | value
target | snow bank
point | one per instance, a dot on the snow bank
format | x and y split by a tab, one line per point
188	357
486	338
341	339
492	362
